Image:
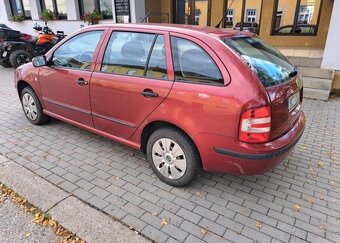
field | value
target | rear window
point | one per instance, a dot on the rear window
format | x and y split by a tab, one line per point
270	66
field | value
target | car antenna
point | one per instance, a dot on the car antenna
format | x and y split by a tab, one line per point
145	17
225	15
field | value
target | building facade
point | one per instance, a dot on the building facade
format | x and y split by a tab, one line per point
302	28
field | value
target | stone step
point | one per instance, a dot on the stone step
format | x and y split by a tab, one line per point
317	83
305	61
316	72
316	94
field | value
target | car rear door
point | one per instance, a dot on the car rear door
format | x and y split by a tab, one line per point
132	77
65	82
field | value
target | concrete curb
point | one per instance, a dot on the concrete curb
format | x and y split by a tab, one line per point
88	223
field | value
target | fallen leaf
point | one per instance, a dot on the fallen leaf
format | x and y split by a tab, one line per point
203	231
313	173
27	235
310	200
52	223
296	206
154	213
132	154
286	164
258	225
164	221
320	164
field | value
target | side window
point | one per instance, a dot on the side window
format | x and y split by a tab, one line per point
193	64
127	53
157	62
77	52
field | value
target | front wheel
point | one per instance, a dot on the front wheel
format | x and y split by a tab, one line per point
32	107
19	57
173	156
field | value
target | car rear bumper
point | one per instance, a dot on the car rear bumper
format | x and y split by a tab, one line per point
248	159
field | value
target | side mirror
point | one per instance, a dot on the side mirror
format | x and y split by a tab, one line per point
39	61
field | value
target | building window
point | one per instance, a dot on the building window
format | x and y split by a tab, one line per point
21	7
58	7
103	6
251	15
229	21
305	14
296	17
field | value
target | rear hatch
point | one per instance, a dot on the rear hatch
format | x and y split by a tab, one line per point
277	75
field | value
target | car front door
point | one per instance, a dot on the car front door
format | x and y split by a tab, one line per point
65	81
131	81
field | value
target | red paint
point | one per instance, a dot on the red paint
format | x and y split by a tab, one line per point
210	115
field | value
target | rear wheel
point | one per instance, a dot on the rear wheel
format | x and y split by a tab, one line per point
173	156
32	107
19	57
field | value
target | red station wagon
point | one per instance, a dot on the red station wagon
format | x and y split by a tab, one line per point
191	98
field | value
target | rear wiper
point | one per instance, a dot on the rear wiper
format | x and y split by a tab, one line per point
293	73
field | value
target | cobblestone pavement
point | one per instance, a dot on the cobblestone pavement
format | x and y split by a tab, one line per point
17	226
298	201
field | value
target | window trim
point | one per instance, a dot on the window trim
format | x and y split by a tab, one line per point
54	10
217	62
14	10
295	21
156	34
248	10
96	7
232	16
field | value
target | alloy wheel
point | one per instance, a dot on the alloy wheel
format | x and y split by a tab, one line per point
22	59
30	106
169	158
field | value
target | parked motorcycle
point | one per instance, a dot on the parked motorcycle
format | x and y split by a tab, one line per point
21	51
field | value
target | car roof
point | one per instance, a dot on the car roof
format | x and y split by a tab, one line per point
179	28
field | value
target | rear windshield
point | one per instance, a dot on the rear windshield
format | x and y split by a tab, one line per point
270	66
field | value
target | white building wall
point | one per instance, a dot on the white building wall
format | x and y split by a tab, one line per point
332	49
73	22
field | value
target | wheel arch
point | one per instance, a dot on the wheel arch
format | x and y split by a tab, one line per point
153	126
23	84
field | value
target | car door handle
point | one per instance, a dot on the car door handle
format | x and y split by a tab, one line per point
82	82
149	93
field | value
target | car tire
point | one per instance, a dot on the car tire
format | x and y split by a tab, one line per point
19	57
32	107
173	156
5	63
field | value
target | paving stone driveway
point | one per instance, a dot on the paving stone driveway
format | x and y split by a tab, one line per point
216	208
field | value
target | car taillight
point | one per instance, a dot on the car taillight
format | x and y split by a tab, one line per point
255	125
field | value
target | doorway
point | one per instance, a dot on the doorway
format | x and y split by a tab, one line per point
193	12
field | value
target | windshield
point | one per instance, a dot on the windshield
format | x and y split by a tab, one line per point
270	66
